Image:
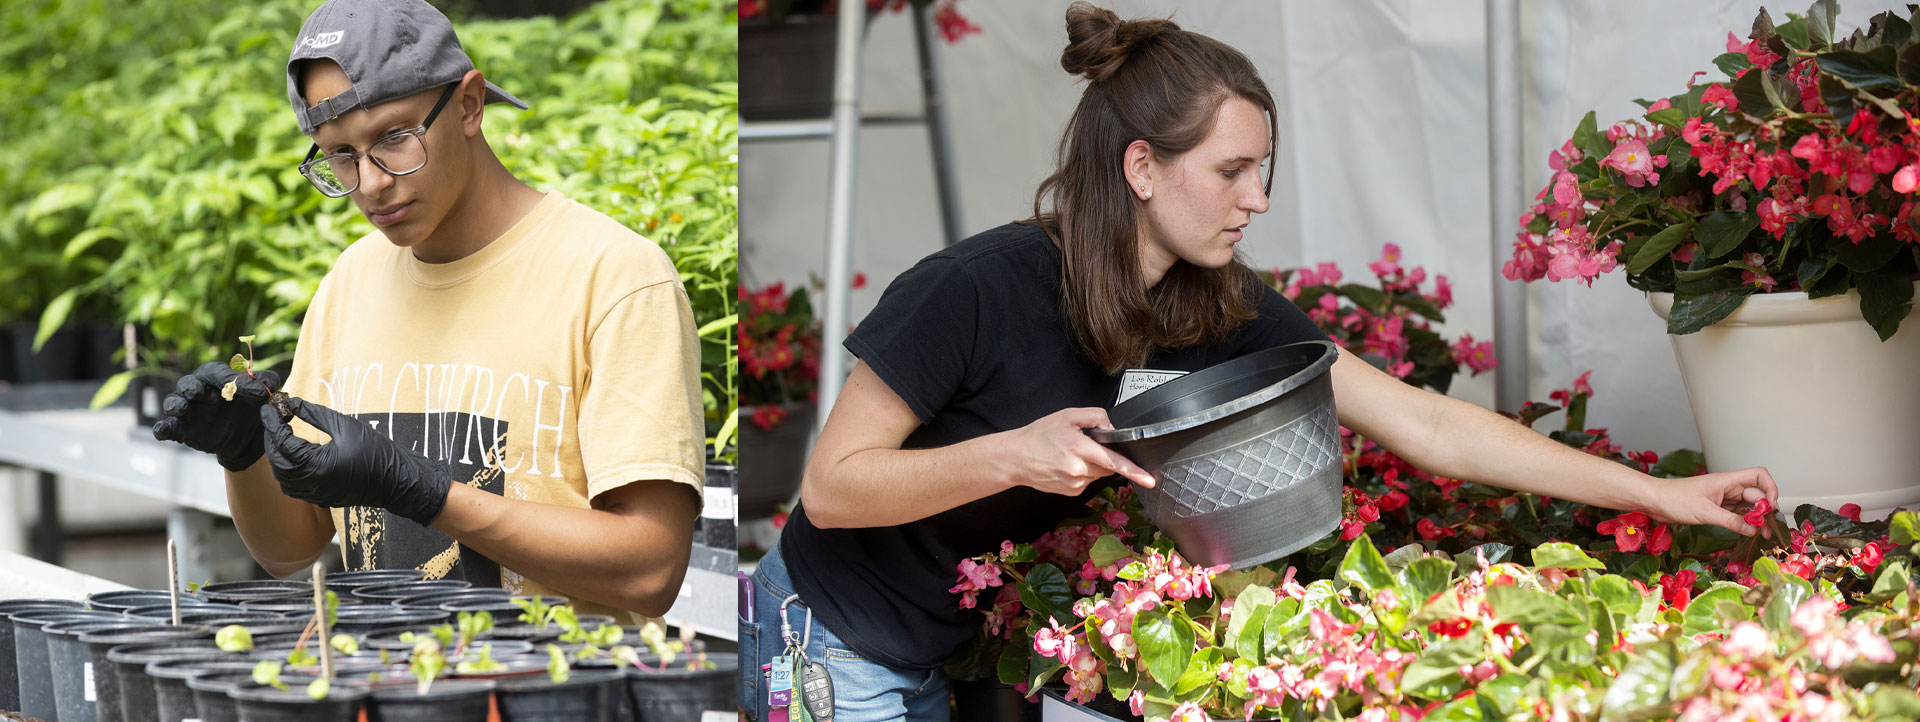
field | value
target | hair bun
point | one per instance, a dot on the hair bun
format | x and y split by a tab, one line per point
1099	42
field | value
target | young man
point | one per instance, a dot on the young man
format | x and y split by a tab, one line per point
498	384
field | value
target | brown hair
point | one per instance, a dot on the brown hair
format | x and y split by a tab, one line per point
1146	80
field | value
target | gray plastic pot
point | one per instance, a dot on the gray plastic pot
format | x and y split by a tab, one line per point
99	642
260	703
433	599
81	691
1246	454
128	663
9	677
588	695
32	657
448	700
173	700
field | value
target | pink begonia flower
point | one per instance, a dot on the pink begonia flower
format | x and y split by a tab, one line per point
1389	262
1442	292
1850	510
1400	370
1814	616
1566	189
1189	712
1907	179
1695	129
1564	158
1632	158
1477	356
1718	94
1137	702
1659	105
1748	641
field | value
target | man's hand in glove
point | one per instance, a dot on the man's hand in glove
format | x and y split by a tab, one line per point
197	415
359	467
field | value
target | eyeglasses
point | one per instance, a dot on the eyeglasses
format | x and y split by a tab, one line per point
402	153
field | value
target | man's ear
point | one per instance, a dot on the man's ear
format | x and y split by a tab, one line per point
473	101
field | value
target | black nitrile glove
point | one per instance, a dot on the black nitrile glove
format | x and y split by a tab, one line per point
198	417
359	467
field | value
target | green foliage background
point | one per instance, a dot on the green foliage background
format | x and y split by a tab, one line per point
148	169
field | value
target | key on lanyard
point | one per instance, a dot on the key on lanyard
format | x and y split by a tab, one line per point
780	681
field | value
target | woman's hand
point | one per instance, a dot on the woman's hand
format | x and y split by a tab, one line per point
1719	499
1055	455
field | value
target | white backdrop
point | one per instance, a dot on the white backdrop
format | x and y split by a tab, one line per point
1383	139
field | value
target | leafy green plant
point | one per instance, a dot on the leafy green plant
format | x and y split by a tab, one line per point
150	177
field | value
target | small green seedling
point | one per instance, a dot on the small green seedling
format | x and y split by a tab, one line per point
537	612
267	672
233	638
345	644
484	663
427	662
473	625
557	668
244	364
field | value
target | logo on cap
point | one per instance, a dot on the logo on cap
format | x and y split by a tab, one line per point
324	40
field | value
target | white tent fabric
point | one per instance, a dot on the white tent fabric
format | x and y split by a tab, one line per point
1383	139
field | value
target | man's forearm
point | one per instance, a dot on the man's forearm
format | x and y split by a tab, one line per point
887	487
1472	443
285	535
632	562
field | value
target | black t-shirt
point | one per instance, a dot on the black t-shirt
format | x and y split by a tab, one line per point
973	339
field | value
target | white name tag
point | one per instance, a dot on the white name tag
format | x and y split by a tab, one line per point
88	673
1138	381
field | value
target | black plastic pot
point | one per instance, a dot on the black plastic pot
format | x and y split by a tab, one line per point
343	583
369	617
260	590
124	600
137	699
77	684
434	600
58	360
9	678
210	700
678	693
524	631
400	590
501	648
32	658
103	339
388	638
588	695
173	701
217	618
448	700
99	642
260	703
292	606
510	667
164	612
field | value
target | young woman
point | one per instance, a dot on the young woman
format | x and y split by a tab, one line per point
962	425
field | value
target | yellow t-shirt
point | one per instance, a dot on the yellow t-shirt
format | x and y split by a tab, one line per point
557	363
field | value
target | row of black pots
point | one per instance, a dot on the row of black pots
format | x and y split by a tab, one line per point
104	664
73	353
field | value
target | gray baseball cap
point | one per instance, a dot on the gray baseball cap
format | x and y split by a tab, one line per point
390	49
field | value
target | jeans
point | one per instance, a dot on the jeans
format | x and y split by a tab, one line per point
863	691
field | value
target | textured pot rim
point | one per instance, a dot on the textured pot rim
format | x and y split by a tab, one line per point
1780	308
1298	379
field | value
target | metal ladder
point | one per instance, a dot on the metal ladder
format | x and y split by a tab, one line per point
841	130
